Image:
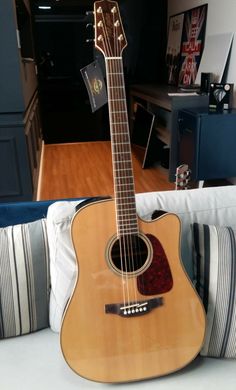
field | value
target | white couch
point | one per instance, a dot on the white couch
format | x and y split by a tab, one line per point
34	361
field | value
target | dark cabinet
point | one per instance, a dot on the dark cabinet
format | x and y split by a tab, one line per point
165	102
207	143
20	128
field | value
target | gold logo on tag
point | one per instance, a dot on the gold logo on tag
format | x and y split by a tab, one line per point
96	86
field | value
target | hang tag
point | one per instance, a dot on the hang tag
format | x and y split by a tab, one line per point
95	84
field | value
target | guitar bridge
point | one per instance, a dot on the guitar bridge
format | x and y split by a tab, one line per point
133	309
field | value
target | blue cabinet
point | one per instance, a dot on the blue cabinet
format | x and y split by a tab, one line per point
20	128
207	143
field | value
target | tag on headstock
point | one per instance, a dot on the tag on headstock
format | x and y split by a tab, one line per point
95	84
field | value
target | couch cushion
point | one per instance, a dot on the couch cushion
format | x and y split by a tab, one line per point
63	265
24	278
62	258
215	257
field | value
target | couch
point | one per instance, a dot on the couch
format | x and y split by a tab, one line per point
33	359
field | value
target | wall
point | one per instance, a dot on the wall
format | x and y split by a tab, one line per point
220	19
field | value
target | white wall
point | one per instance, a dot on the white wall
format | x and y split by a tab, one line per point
221	18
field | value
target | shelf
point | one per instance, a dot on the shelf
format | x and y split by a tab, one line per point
157	99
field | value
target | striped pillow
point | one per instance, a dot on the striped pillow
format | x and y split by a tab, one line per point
24	278
215	270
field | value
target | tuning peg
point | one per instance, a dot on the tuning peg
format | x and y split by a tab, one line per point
89	13
89	25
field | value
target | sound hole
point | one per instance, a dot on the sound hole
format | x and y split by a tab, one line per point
130	254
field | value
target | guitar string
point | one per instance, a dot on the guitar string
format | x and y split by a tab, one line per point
127	170
124	253
108	50
125	149
125	240
133	241
130	193
119	93
122	183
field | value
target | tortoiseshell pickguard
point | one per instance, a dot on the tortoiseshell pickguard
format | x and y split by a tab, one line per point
157	279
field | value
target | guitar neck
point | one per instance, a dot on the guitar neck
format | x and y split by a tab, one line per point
121	149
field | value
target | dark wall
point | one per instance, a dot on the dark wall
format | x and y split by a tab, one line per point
145	23
61	48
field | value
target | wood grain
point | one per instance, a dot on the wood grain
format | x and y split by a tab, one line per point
85	169
107	347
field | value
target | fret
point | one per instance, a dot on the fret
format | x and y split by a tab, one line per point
119	186
120	133
127	216
120	136
123	161
117	139
120	190
120	117
119	123
113	58
126	222
114	73
127	230
123	191
128	227
127	212
128	152
125	178
118	105
119	147
131	198
121	169
121	143
118	112
117	100
131	213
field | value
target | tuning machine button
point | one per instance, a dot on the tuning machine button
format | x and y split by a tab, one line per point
90	40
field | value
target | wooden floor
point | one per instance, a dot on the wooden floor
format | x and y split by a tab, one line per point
85	169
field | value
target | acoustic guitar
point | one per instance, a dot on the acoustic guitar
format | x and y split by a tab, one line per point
134	313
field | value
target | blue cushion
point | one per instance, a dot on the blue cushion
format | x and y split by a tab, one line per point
23	212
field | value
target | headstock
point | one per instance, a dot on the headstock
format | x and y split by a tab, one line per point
109	33
182	177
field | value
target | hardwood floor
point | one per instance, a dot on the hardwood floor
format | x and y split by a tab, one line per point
85	169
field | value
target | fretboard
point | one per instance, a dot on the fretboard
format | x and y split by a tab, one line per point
121	150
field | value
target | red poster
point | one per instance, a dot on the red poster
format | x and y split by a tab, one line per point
192	44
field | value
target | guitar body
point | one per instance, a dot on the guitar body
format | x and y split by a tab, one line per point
107	347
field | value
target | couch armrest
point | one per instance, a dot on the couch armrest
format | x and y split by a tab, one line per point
24	212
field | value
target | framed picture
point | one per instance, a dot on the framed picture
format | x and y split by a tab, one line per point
192	44
173	48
